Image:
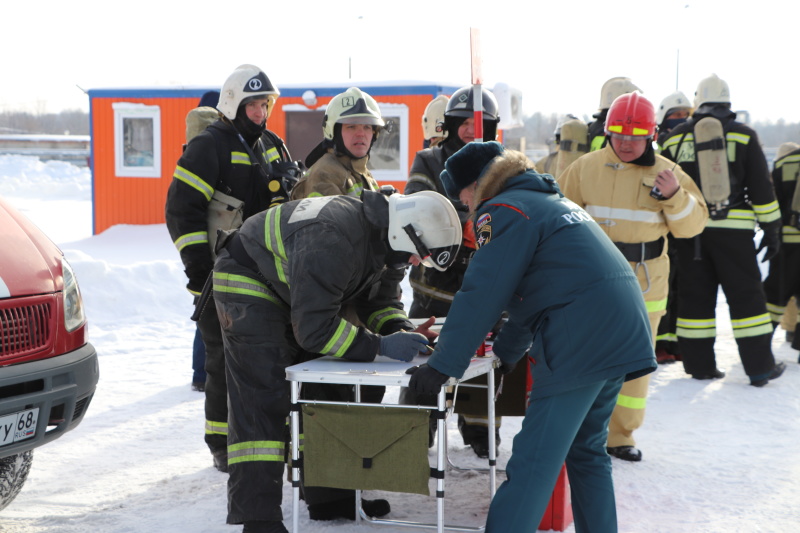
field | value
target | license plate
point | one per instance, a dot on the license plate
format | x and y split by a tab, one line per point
18	426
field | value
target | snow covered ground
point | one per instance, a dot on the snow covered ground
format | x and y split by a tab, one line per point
719	456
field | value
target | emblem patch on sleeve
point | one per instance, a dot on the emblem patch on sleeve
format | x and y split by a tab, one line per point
484	230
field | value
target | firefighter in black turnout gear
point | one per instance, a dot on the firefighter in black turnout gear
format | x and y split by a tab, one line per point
724	254
280	284
434	290
229	172
783	281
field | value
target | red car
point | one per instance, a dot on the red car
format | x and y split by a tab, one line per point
48	369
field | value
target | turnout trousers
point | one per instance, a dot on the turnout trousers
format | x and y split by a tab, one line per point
259	346
628	414
571	427
216	404
783	281
727	258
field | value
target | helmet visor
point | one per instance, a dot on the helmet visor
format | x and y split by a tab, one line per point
438	258
622	137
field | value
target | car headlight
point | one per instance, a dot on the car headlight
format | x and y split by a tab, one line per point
74	315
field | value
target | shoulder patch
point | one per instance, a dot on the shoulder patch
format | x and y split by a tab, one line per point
483	220
484	235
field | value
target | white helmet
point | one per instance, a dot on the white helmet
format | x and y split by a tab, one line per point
425	223
676	100
433	118
712	90
245	82
351	107
615	87
786	148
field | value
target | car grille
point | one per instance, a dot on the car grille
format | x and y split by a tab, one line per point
24	329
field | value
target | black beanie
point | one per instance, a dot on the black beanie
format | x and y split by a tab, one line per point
468	165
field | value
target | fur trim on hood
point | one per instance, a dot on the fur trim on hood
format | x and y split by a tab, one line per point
510	164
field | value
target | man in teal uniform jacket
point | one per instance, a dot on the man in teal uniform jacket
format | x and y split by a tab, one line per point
573	303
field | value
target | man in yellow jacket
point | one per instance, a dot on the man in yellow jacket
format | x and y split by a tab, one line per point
637	197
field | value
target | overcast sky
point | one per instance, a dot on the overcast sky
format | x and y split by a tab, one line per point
558	53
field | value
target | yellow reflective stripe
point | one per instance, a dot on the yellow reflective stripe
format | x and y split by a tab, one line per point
194	181
688	210
430	291
271	155
741	138
696	328
767	212
775	311
236	284
314	195
422	178
274	241
752	326
600	212
631	402
791	235
216	428
597	143
667	337
787	159
656	305
341	340
199	237
240	158
737	219
379	318
259	450
355	191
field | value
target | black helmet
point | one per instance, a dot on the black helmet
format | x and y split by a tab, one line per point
460	104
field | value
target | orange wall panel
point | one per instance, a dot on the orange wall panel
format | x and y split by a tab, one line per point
127	200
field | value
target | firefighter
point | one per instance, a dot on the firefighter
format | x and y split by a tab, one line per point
338	165
280	284
434	290
549	163
674	109
433	121
545	261
783	280
614	185
228	172
611	89
725	254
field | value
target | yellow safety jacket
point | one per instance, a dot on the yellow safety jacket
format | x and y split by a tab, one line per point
617	195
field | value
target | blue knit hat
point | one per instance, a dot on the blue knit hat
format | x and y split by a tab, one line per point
468	165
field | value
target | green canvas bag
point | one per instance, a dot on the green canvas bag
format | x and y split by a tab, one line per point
366	448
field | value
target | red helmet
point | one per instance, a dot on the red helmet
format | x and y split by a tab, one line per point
632	115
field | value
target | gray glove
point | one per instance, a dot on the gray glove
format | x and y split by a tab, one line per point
403	345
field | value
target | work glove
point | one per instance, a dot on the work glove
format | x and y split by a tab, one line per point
404	345
424	329
771	240
426	379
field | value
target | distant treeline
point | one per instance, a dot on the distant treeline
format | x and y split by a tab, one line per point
73	122
538	130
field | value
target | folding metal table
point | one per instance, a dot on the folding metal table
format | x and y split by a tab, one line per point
386	372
